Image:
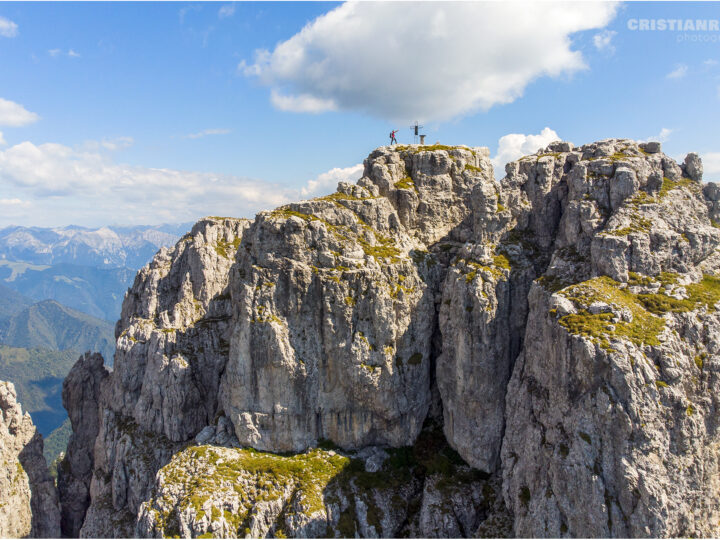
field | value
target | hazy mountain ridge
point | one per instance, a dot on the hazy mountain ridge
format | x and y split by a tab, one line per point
11	302
50	325
37	375
96	291
104	247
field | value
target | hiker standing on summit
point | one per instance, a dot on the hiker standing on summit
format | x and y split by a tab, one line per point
393	140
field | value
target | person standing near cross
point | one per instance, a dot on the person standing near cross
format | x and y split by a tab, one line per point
393	140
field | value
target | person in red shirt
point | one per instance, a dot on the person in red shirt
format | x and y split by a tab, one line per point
393	140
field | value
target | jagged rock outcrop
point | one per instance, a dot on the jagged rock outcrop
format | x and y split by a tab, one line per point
171	351
611	425
81	398
28	500
533	356
334	305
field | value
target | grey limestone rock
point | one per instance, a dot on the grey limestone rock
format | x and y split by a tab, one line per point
28	500
81	398
558	328
609	405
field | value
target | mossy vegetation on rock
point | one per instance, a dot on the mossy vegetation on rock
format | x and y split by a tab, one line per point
209	491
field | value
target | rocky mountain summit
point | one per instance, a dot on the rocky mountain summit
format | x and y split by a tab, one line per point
427	352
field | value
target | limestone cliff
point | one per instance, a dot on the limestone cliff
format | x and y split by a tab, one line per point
611	427
427	352
28	500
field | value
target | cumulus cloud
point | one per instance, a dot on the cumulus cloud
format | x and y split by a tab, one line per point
206	132
2	139
663	136
304	103
678	73
603	41
15	115
78	184
8	28
73	54
228	10
711	166
515	145
327	182
433	62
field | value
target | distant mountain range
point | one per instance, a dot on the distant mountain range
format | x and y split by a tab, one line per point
96	291
86	269
38	375
50	325
11	302
61	291
105	247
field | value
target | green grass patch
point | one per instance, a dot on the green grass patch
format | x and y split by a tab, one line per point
669	185
222	247
601	327
704	293
473	168
406	183
338	196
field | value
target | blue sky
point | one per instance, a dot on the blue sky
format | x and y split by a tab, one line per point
155	112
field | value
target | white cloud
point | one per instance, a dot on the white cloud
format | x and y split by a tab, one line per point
663	136
59	52
710	62
2	139
516	145
603	40
117	143
8	28
13	202
711	166
678	73
301	103
187	9
428	61
328	181
68	184
228	10
15	115
206	132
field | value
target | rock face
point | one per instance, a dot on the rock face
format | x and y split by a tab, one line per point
29	503
81	398
611	405
334	305
435	353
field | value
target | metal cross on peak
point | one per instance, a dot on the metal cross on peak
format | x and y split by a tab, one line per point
416	130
